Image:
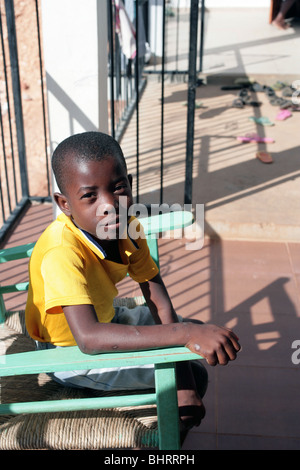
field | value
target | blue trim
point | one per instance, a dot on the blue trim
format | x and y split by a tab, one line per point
93	241
98	246
133	241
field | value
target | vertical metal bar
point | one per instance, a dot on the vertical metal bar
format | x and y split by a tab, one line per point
1	191
162	103
155	36
118	82
43	94
13	52
111	50
5	161
137	98
202	35
192	84
9	113
177	35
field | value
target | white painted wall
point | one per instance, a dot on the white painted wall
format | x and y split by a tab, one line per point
73	46
75	56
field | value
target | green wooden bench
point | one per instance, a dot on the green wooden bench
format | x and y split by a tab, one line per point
23	364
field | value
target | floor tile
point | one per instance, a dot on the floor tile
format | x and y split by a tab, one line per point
294	251
242	442
200	441
259	401
31	225
268	343
267	293
254	257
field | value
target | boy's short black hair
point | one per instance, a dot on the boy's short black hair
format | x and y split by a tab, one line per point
87	146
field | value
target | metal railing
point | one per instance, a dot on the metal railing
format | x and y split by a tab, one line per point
24	171
15	177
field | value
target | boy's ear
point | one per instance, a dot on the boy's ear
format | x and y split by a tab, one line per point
130	180
62	203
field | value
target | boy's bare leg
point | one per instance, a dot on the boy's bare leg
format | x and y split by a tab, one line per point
192	381
279	21
191	408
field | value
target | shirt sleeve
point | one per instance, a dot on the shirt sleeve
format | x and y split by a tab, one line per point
63	272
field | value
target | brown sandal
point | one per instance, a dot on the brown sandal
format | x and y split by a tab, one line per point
264	157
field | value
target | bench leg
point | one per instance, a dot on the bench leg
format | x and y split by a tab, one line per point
167	407
2	309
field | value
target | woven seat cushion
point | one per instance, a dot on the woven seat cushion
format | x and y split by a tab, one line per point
132	427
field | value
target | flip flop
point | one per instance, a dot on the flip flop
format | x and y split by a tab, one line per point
264	157
232	87
257	87
244	81
198	104
286	104
263	121
255	138
244	99
283	114
277	101
238	103
279	85
269	91
288	91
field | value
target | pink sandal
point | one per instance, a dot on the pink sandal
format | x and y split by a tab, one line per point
283	114
255	138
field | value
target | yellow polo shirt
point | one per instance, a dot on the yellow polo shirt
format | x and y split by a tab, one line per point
67	267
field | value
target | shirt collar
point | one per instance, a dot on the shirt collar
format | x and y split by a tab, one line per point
129	245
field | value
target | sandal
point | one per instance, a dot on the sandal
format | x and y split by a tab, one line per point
231	87
257	87
286	104
255	138
279	85
277	101
283	114
264	157
238	103
244	98
269	91
287	91
246	82
263	121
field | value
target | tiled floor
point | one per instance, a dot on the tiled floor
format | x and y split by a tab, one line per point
252	287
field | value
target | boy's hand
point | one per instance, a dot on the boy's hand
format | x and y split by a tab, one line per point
216	344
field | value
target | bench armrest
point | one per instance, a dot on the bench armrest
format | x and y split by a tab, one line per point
70	358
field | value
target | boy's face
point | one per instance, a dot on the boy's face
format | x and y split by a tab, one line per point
93	197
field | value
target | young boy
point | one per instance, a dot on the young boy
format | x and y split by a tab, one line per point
74	269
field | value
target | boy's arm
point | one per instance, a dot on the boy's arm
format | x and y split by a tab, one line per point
158	300
217	345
